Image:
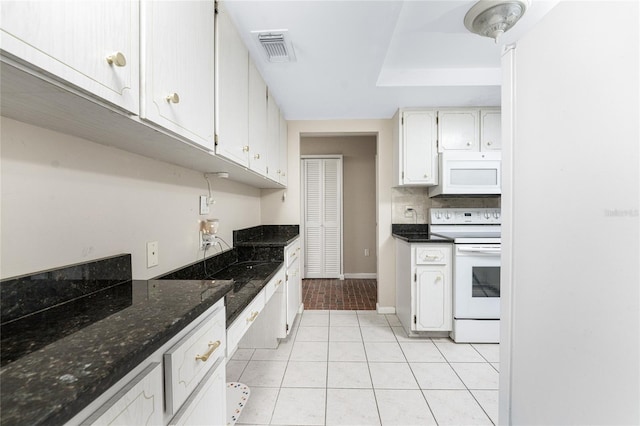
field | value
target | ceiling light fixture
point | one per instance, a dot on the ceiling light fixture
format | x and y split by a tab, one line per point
492	18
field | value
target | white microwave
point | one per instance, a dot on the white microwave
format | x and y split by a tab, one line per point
469	173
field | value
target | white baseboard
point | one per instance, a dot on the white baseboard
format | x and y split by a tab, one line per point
385	309
362	276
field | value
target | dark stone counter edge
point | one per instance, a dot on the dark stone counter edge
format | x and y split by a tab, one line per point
425	239
257	243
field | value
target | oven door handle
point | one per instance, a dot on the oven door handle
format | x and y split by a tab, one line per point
479	249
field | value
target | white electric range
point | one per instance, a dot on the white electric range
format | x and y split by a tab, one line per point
476	270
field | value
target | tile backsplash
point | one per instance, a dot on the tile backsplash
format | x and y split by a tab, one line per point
418	199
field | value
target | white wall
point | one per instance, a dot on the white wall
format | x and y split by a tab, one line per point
67	200
570	350
275	211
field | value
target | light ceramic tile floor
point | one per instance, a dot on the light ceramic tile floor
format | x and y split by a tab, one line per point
360	368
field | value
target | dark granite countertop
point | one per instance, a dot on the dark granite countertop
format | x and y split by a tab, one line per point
266	236
53	383
417	233
70	334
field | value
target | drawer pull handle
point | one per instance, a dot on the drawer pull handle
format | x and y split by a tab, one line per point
292	254
253	316
428	257
278	283
212	347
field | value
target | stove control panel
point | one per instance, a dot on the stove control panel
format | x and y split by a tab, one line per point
461	216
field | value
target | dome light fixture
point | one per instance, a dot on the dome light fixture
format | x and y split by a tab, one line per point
492	18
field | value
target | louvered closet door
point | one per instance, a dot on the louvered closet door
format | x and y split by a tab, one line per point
323	195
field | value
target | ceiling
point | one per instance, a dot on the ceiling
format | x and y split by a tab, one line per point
364	59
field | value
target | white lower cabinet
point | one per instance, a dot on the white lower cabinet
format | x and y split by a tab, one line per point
192	357
433	298
271	314
137	403
293	296
207	404
241	324
424	286
183	382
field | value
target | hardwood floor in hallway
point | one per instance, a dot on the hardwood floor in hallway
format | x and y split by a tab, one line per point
335	294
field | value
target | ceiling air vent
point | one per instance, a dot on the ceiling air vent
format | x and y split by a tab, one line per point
276	45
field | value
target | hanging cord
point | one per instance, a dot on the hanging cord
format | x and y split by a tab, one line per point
204	259
227	244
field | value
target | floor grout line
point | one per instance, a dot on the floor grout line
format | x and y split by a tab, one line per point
362	321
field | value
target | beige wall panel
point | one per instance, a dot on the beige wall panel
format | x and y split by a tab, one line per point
67	200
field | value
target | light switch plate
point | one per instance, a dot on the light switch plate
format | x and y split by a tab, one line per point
152	254
204	204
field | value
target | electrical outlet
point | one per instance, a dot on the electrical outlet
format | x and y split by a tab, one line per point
204	205
152	254
366	252
408	211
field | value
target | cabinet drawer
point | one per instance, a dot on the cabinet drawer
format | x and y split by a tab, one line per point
276	284
207	404
138	403
292	252
192	357
433	255
244	321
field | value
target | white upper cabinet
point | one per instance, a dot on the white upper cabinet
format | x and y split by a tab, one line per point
415	149
177	50
283	150
273	138
257	121
232	92
470	129
490	129
93	45
458	130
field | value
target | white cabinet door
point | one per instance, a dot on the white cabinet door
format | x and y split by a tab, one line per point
138	403
458	130
257	121
283	149
419	154
433	299
232	91
187	361
273	138
490	129
72	40
178	86
207	405
293	293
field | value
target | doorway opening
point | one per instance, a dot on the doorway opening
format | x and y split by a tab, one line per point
355	287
